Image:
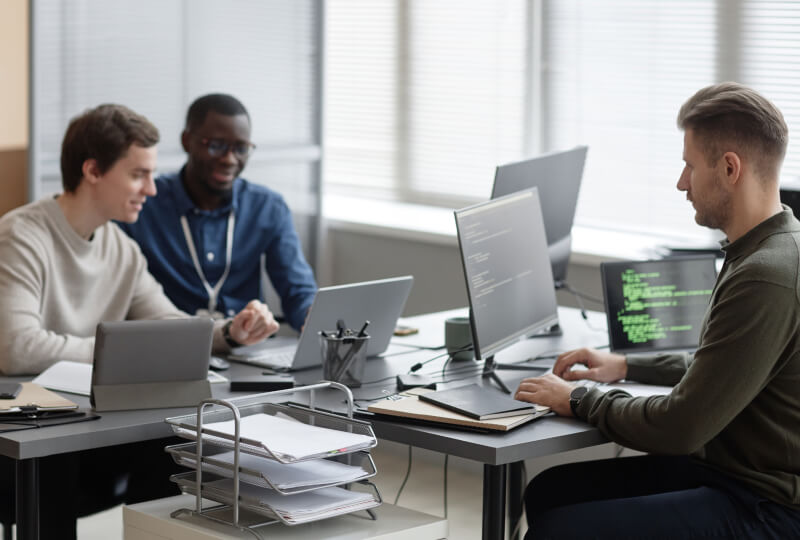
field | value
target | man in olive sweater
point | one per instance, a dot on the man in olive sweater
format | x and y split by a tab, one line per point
724	445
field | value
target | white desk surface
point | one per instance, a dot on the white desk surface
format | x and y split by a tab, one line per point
151	521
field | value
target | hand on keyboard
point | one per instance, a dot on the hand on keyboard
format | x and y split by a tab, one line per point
600	366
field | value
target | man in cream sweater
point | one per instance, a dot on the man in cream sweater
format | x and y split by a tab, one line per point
64	266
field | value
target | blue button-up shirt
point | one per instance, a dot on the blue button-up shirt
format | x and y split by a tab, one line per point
263	226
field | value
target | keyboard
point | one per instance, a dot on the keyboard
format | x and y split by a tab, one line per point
277	359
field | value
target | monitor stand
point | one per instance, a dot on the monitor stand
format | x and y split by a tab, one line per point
553	331
490	367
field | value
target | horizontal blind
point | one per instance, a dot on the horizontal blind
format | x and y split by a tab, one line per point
156	57
615	75
770	63
423	99
360	123
466	94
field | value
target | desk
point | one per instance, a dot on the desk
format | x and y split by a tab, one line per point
496	451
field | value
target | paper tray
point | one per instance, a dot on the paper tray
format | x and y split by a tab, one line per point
186	427
186	455
187	484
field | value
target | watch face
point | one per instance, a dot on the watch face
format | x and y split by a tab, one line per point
578	392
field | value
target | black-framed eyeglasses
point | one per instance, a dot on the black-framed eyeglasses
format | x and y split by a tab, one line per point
220	147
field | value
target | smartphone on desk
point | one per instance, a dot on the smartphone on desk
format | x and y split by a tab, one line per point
9	390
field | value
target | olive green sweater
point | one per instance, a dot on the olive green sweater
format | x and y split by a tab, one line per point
736	403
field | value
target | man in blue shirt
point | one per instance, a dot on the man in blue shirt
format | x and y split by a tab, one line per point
206	231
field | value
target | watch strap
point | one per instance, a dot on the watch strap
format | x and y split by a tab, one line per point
226	335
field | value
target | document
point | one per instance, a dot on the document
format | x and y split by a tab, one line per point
286	440
76	377
294	509
284	476
66	376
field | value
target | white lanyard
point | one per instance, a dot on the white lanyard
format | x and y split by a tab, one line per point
213	293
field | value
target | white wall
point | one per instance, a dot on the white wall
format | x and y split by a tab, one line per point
350	256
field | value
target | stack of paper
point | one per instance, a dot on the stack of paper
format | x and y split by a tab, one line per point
294	509
287	440
66	376
284	476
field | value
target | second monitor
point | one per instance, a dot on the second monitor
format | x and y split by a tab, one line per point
557	176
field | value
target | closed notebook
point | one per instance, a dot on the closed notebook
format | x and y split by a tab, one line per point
478	402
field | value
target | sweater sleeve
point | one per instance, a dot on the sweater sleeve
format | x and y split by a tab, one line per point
745	333
665	369
26	347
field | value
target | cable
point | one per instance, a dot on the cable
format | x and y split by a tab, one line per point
583	308
408	473
566	286
416	367
446	458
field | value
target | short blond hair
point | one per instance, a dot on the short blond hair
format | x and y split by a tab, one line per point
732	117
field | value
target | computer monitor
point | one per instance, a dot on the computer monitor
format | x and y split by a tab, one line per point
507	272
558	178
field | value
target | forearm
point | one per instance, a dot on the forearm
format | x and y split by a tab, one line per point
31	351
663	369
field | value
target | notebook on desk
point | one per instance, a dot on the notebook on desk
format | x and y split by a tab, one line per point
408	406
478	402
381	302
657	305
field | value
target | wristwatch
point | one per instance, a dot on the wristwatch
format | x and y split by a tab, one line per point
575	398
226	333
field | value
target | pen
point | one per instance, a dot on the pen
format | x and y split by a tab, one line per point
340	327
361	333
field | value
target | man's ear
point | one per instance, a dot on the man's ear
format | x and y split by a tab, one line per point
732	164
185	140
91	171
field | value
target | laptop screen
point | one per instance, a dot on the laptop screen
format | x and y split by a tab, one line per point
657	305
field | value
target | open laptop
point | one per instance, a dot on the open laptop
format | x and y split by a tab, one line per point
380	302
657	305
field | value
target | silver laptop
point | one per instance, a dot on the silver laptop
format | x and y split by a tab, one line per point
380	302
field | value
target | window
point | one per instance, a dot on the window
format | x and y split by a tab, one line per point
424	99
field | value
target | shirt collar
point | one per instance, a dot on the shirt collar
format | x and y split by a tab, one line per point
185	205
779	223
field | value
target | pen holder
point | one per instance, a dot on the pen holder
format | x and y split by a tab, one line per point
343	358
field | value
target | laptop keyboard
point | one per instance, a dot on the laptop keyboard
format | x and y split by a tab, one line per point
268	359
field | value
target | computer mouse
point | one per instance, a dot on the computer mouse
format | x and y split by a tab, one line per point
218	364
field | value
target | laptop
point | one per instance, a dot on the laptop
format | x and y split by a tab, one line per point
657	305
380	302
172	354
